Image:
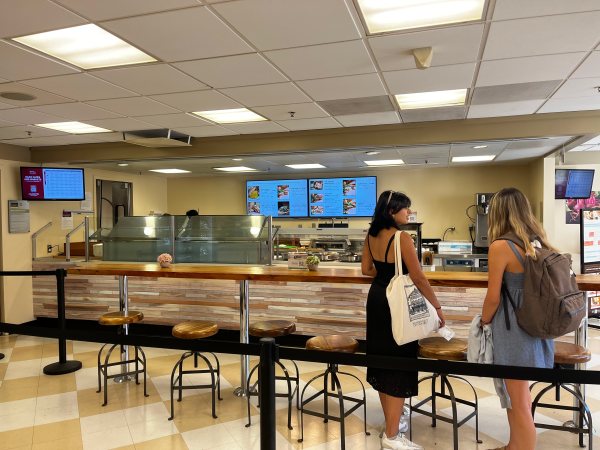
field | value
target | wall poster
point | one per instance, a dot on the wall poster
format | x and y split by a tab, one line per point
573	207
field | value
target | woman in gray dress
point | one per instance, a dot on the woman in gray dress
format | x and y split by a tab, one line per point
510	214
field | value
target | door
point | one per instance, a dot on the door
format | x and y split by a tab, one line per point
114	199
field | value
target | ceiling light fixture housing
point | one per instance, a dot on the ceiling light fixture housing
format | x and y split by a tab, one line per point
393	15
479	146
17	96
73	127
385	162
237	115
86	46
235	169
433	99
476	158
162	137
169	170
305	166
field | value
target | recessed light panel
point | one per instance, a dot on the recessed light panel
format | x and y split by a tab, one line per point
385	162
86	46
237	115
433	99
169	170
392	15
305	166
73	127
235	169
480	146
477	158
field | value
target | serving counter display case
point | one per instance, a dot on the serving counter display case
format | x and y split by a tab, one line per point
197	239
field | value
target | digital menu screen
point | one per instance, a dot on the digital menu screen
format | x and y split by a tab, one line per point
342	197
573	183
590	240
52	183
277	198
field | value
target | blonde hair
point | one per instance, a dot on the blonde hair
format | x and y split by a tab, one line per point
510	211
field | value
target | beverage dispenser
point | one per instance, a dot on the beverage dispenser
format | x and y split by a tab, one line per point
482	201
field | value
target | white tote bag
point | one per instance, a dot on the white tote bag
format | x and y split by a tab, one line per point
413	317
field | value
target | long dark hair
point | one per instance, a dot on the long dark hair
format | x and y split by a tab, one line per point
390	202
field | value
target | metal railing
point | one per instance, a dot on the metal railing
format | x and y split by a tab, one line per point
34	240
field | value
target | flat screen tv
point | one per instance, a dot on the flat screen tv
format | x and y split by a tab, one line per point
573	183
277	198
342	197
52	183
590	240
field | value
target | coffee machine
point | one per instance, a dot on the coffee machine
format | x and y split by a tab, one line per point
482	203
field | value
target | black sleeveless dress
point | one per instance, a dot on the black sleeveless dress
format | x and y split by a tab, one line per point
380	341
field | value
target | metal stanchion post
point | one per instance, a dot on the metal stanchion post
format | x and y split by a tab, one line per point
268	356
62	366
244	337
124	306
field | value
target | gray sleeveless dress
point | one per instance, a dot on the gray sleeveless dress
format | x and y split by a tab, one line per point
515	347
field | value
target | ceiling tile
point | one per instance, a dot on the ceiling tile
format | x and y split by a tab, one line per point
255	127
527	69
466	149
24	116
158	79
122	124
283	112
353	86
571	104
19	64
359	120
266	95
320	61
290	23
35	16
211	130
509	155
80	87
41	97
589	68
232	71
504	109
197	101
76	111
193	33
67	139
363	105
542	36
112	9
440	78
513	9
431	114
580	87
310	124
451	45
24	131
175	120
5	105
4	123
514	92
423	151
134	106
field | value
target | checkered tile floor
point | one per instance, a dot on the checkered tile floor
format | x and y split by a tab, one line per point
64	412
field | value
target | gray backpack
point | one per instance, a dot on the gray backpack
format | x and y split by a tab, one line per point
552	303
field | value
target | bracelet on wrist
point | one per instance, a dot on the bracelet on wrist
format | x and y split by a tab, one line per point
439	307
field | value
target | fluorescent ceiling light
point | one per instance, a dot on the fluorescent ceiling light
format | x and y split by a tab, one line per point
391	15
230	115
473	158
236	159
480	146
169	170
433	99
372	153
73	127
385	162
122	164
86	46
305	166
235	169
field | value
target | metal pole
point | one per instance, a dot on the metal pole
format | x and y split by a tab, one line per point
270	225
173	238
581	338
123	306
62	366
244	337
268	356
86	231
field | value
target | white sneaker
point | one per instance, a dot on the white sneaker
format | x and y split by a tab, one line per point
402	426
399	443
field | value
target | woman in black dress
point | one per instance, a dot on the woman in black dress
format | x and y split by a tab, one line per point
394	386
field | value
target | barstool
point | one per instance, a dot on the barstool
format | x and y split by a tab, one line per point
120	318
453	350
274	328
332	343
195	329
567	355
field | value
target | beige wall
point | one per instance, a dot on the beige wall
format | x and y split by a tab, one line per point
440	196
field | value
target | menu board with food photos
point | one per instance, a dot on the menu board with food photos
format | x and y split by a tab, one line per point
277	198
590	240
342	197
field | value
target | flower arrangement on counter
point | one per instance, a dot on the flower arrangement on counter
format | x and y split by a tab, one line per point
312	262
164	259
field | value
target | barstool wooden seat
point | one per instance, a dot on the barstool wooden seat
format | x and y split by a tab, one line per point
567	355
121	319
274	328
453	350
195	329
333	343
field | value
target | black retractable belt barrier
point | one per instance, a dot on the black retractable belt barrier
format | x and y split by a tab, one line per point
268	356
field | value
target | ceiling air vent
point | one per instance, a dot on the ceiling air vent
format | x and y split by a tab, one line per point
157	138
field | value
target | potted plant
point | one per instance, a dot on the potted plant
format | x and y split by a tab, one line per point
165	260
312	262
